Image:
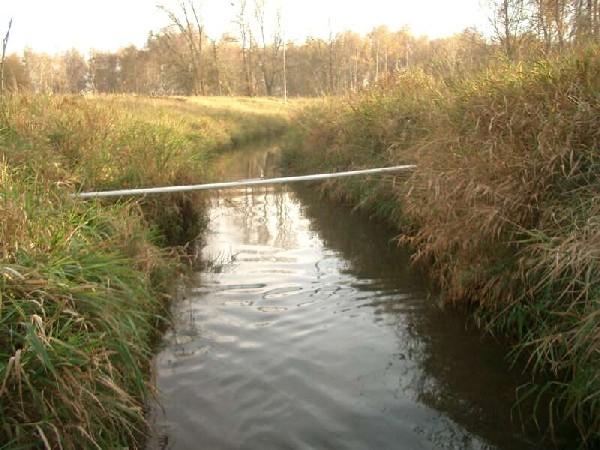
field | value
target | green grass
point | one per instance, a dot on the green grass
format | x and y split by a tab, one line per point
503	208
84	284
78	310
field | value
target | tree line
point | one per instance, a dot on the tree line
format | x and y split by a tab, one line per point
181	59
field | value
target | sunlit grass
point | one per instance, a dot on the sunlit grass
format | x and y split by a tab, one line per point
227	120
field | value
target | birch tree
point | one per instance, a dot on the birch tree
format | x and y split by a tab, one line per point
268	47
245	35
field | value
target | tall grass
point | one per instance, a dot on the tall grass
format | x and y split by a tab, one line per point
116	142
83	284
503	207
78	309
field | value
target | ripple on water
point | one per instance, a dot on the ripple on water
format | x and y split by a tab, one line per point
263	324
250	287
306	303
237	303
282	292
272	309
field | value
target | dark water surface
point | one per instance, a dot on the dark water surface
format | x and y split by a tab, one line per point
313	332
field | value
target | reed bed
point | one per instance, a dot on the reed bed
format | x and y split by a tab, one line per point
503	208
84	284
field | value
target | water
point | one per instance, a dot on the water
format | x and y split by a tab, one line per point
311	331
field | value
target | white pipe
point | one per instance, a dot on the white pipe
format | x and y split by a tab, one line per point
235	184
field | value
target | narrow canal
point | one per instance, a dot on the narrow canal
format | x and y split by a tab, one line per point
311	331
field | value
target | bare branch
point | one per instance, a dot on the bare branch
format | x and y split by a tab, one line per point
4	45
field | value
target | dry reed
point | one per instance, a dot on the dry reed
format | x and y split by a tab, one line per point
503	208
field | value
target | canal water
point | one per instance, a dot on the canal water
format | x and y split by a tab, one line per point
310	330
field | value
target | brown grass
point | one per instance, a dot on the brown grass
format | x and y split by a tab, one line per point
503	207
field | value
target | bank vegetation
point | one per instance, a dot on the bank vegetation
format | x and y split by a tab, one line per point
84	285
503	208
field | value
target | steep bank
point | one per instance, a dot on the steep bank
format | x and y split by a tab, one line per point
83	284
502	209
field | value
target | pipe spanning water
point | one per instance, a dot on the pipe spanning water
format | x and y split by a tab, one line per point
243	183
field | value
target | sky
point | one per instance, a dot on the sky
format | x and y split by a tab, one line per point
54	26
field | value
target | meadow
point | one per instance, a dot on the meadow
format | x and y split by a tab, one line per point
84	285
502	210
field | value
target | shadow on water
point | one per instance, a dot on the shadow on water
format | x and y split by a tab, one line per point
464	374
313	331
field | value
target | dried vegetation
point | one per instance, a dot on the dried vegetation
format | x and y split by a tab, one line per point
503	207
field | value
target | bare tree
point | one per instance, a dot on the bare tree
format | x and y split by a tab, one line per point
75	71
550	21
586	19
285	83
510	22
105	75
44	71
245	31
190	27
380	37
330	59
4	45
268	49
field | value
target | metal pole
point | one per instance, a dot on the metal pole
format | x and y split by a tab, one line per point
244	183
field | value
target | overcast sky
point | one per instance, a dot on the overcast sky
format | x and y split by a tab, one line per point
58	25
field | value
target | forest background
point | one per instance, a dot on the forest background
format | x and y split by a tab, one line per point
256	59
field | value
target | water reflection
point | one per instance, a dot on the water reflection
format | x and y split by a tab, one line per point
316	333
260	214
461	373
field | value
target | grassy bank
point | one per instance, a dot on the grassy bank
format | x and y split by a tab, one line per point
503	208
83	284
